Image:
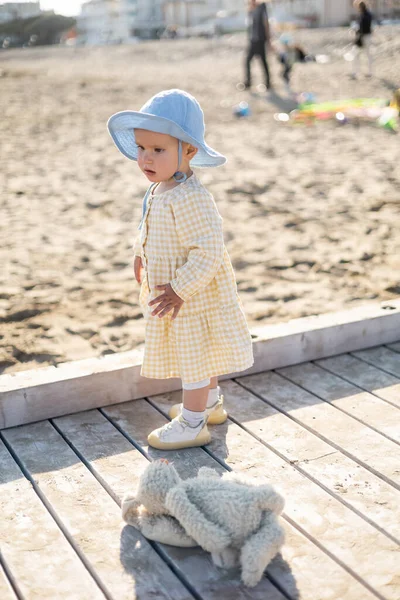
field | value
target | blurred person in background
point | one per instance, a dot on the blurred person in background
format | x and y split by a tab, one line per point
259	39
289	53
363	38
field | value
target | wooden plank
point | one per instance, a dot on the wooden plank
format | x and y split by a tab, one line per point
304	571
111	456
81	385
352	484
118	554
338	429
325	519
6	591
381	357
366	407
395	347
365	376
33	546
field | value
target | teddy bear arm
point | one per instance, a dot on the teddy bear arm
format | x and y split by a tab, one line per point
130	510
208	535
260	548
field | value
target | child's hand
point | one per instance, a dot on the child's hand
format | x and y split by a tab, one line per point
166	302
138	268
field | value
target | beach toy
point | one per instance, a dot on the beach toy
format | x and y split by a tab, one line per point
306	98
242	110
389	119
369	110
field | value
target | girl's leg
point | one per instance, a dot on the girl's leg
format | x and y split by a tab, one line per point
195	397
214	383
189	428
215	412
196	400
213	393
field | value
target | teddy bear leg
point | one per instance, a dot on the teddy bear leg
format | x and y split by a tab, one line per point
227	559
260	549
165	529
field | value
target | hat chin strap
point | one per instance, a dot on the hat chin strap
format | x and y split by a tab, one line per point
179	176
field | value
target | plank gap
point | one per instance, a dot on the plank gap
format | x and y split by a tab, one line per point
89	467
294	465
124	433
227	468
156	547
136	419
391	348
318	483
348	380
342	410
310	537
57	520
10	578
321	437
332	556
371	363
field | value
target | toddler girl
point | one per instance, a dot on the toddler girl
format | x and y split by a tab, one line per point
195	326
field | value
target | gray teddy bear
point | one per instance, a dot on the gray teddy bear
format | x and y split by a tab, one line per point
234	519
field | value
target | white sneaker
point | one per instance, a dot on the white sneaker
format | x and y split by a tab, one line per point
215	414
179	434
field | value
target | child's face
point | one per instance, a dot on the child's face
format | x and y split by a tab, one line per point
157	154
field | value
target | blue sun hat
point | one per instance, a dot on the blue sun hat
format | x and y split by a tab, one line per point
173	112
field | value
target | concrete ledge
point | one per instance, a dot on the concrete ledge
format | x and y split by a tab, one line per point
43	393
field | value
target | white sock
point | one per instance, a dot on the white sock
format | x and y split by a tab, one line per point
213	394
193	417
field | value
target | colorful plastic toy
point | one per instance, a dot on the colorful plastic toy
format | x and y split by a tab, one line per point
375	110
241	110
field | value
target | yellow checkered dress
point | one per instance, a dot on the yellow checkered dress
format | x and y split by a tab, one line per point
181	243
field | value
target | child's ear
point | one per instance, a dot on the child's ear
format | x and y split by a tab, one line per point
191	151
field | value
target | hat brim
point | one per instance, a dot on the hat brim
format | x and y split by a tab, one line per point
122	125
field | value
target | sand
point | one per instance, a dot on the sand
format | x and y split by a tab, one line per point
311	213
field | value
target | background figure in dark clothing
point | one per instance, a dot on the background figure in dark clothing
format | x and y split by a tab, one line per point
259	37
288	55
363	38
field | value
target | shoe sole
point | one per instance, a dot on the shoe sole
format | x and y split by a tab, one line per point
212	419
159	445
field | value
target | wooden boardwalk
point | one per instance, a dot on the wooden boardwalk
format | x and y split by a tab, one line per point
325	433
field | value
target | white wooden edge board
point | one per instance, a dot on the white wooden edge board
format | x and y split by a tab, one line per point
48	392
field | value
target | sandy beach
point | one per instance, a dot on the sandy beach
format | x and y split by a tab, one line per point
311	213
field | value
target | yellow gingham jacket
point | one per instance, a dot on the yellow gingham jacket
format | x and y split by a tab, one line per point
181	243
